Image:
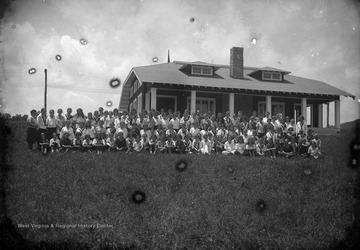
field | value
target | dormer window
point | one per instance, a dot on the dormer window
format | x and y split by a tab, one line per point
272	76
201	70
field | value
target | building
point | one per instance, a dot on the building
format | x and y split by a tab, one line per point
217	88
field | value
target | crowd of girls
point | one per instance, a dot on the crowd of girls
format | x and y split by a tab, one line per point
157	132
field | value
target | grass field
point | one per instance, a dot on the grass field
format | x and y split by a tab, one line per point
213	204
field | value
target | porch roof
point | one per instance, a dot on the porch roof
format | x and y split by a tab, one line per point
170	73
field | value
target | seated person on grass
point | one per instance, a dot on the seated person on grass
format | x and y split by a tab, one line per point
195	147
43	144
270	148
205	145
67	129
66	142
77	142
145	141
87	144
303	144
152	144
229	146
110	142
179	145
287	150
187	143
130	143
183	131
318	142
138	145
250	146
99	143
170	131
260	146
54	143
170	144
120	142
218	145
88	130
161	145
240	145
313	150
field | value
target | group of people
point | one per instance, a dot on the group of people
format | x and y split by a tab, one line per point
171	132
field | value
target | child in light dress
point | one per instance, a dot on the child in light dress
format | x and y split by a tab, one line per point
43	144
152	144
99	143
110	142
170	144
240	145
138	144
313	150
54	143
229	146
205	145
87	144
77	142
161	145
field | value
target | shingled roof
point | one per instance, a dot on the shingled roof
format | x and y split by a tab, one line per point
169	73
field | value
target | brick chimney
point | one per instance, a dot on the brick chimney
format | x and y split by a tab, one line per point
237	62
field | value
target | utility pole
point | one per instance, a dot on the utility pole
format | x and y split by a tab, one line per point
45	94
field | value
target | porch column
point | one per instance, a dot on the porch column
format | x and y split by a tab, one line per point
304	108
147	101
193	102
153	98
337	113
268	104
320	115
231	104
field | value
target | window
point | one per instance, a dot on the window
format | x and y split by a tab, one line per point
202	70
204	104
272	76
276	76
267	76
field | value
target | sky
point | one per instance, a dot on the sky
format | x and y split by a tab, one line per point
317	39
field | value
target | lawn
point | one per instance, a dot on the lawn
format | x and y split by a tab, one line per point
217	202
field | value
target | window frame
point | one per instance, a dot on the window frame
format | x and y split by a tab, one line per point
280	79
202	70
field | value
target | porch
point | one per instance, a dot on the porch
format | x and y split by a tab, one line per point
213	100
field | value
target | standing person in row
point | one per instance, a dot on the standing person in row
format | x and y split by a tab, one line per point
301	125
68	115
41	121
32	134
60	120
52	124
79	119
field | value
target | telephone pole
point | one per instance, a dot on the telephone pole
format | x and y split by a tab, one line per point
45	94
